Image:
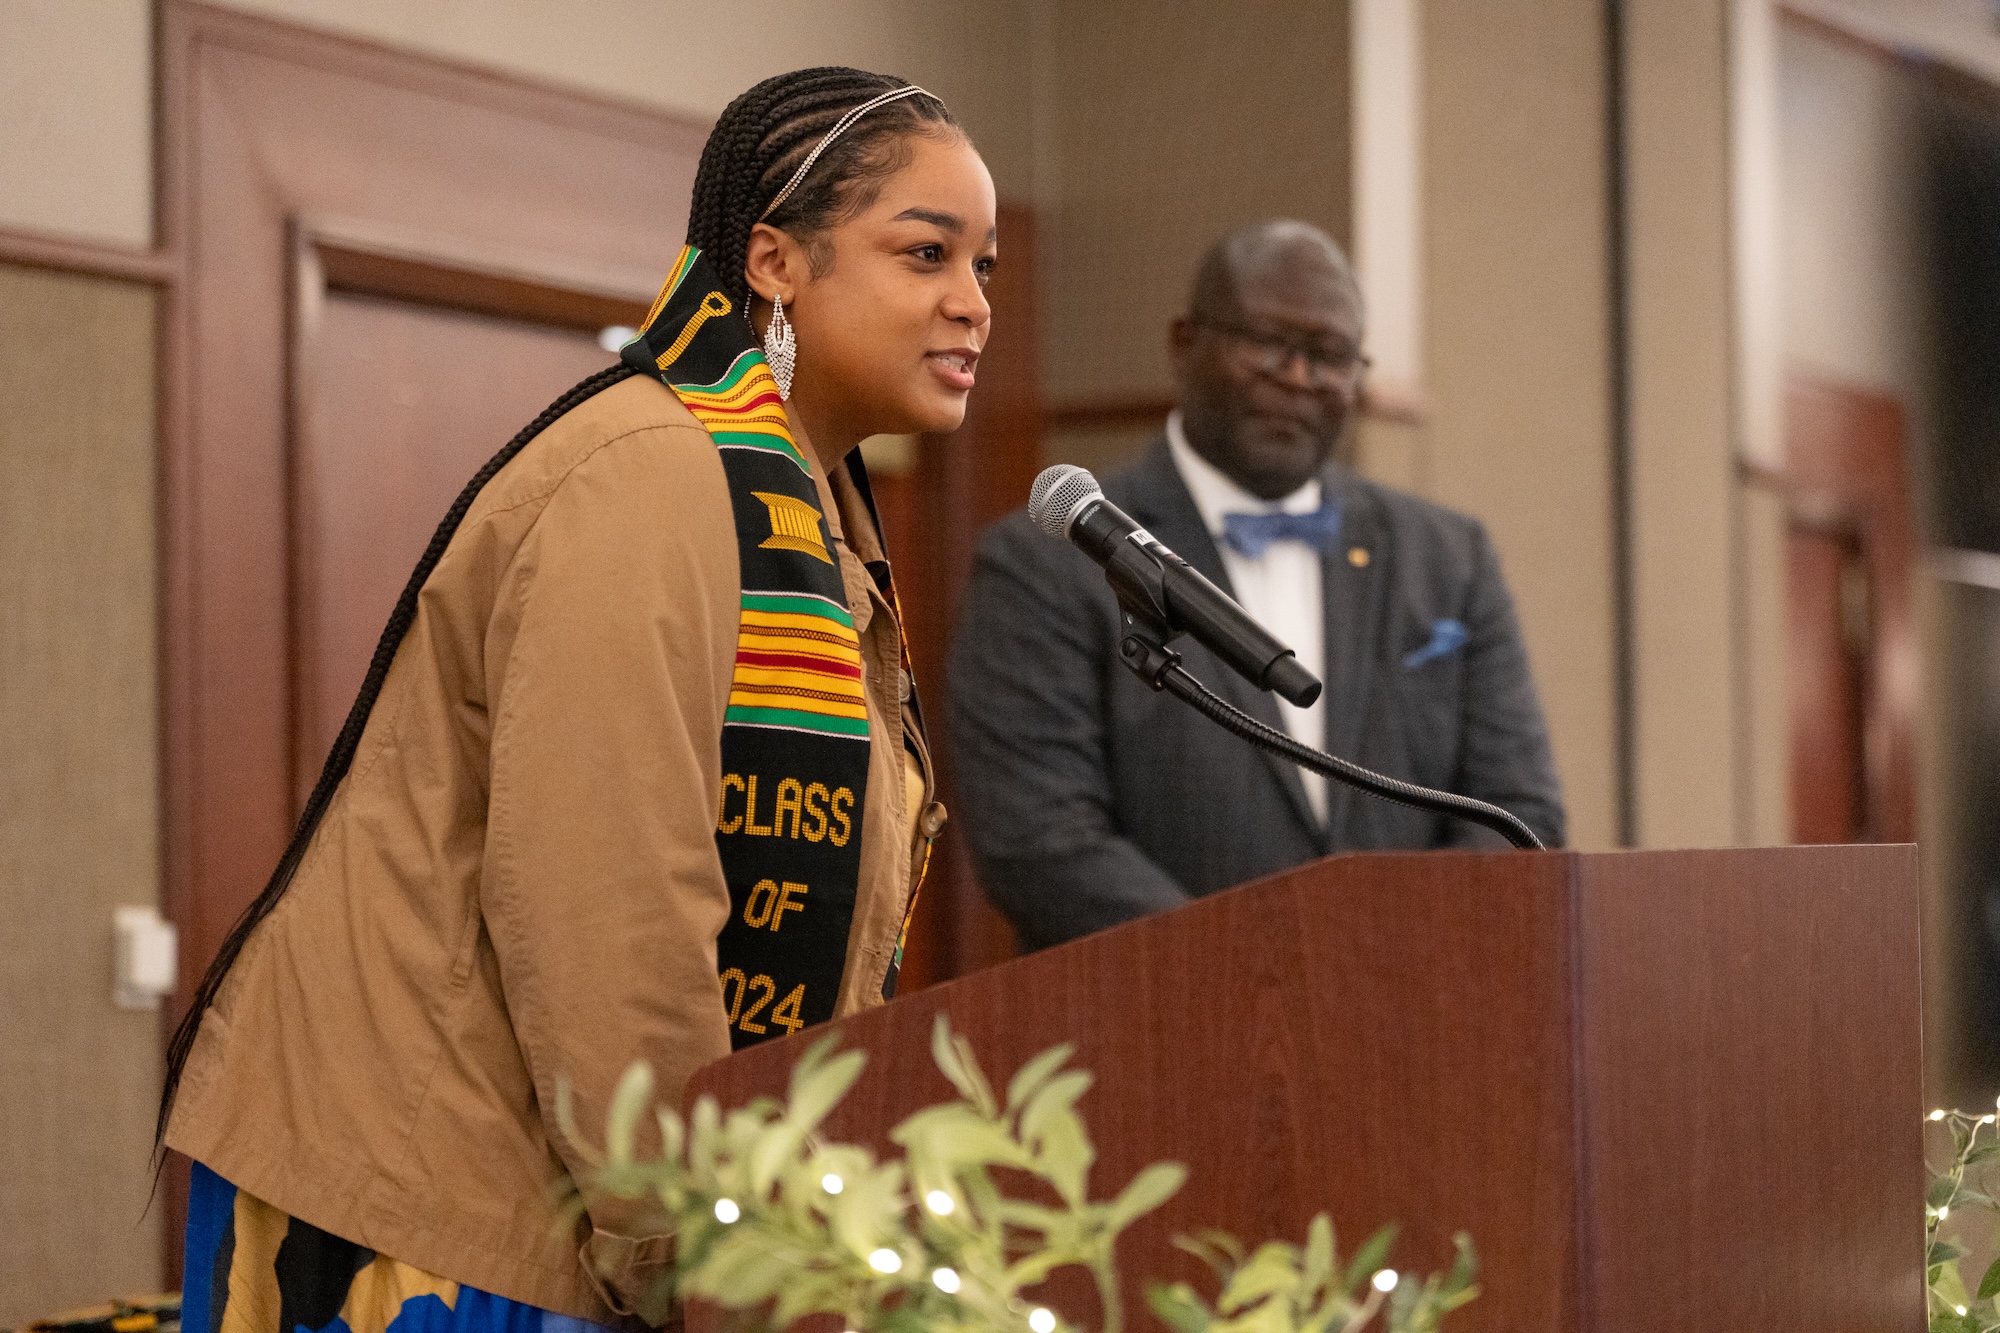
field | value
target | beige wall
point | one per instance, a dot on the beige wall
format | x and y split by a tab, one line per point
1703	593
76	127
78	788
695	55
76	91
1157	134
1850	213
1517	328
1515	342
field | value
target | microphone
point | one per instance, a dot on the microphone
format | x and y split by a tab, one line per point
1158	587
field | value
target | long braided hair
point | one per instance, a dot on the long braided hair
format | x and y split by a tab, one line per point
756	145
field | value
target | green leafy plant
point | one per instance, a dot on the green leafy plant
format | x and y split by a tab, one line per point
1956	1190
1285	1289
772	1223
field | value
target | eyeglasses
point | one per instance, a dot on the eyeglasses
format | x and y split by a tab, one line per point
1272	354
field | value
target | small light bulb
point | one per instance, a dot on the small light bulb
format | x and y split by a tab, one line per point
1042	1319
726	1211
831	1183
1386	1280
1959	1308
939	1202
945	1280
1937	1115
886	1261
1986	1120
1944	1212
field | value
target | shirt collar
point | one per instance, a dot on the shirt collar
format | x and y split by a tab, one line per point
1215	494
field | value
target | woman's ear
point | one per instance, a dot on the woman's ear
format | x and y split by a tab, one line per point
770	263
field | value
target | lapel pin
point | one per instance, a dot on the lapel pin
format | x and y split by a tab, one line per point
1357	556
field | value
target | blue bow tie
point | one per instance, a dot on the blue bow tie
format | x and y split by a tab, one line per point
1252	534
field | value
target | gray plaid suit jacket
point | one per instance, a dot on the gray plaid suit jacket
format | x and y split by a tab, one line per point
1091	800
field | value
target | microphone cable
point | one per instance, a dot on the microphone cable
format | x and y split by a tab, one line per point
1176	681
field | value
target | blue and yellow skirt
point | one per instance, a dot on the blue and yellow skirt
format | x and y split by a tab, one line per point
253	1269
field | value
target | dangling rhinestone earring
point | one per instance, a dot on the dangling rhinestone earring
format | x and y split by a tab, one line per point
781	349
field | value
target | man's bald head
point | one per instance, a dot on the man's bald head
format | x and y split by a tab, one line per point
1281	248
1273	310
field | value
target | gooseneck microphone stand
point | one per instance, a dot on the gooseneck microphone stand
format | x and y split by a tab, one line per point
1144	649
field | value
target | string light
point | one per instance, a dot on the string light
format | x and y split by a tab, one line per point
1944	1212
1386	1280
726	1211
886	1261
831	1183
939	1202
1042	1319
945	1280
1939	1114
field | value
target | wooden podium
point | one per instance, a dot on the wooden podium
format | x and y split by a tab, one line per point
1662	1090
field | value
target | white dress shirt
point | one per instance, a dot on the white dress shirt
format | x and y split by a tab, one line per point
1280	589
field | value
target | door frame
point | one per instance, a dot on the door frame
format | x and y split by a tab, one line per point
1846	473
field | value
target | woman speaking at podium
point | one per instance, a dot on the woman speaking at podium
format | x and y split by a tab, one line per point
636	772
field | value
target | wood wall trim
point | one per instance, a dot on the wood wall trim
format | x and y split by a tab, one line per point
373	245
440	271
359	57
364	273
1109	413
1147	411
92	258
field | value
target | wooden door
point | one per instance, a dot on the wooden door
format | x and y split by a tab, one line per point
400	404
1851	649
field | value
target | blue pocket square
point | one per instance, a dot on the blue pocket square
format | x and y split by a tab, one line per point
1447	637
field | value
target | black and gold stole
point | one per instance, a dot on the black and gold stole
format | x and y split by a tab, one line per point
795	737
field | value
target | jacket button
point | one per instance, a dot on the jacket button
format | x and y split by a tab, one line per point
932	820
909	687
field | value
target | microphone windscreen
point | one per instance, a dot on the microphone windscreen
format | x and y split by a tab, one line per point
1058	494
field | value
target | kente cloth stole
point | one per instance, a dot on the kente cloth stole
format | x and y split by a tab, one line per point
795	736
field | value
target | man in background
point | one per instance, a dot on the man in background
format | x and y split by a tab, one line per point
1091	799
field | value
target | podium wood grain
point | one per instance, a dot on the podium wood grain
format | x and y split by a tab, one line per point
1662	1090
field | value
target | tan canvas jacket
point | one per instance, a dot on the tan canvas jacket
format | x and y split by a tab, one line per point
518	880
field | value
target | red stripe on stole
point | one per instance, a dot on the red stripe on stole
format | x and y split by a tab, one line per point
766	399
820	666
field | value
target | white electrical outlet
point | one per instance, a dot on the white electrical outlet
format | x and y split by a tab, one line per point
146	957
